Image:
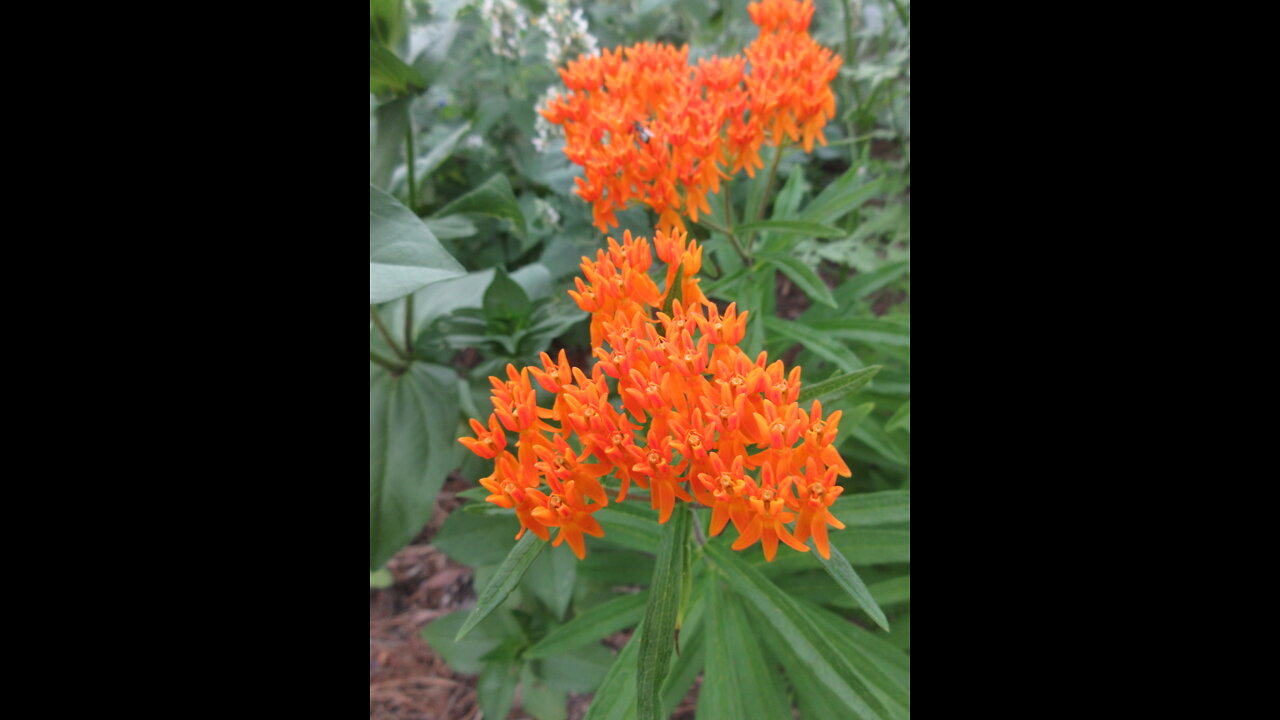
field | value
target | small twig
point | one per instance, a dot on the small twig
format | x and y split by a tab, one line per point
386	334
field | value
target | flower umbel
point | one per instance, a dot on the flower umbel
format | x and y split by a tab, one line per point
646	125
695	418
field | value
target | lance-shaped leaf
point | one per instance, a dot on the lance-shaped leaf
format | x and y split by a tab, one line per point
658	640
838	386
819	656
504	581
598	622
842	572
790	227
802	275
389	74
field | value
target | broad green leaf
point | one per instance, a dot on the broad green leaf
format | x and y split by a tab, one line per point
601	621
412	446
802	275
790	227
493	198
841	197
467	656
840	570
403	254
496	688
381	578
505	580
505	302
814	341
393	122
438	154
580	671
872	330
838	386
450	228
812	697
900	419
658	640
387	23
389	74
875	508
477	539
541	700
808	643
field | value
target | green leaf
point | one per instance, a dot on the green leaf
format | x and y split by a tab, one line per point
389	74
381	578
658	640
616	696
790	227
506	305
412	446
477	539
467	656
870	330
814	651
816	342
900	419
594	624
496	688
609	567
876	508
450	228
838	386
393	122
863	284
403	254
541	700
581	671
627	525
886	670
505	580
492	198
841	197
803	276
892	591
429	162
840	570
551	579
873	546
738	681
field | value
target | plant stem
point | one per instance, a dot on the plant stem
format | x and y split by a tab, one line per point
408	328
410	161
768	184
391	366
733	238
386	335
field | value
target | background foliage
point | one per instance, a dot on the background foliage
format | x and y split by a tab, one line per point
472	245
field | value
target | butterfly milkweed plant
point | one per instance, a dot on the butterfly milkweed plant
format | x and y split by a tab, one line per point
717	404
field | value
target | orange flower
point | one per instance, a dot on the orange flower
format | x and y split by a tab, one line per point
696	415
645	125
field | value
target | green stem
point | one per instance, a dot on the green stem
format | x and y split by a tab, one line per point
411	158
733	238
391	366
408	327
386	334
768	183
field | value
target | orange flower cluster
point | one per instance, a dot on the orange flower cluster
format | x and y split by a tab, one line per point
645	124
696	417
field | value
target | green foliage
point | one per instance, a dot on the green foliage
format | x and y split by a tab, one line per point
476	234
